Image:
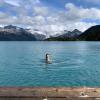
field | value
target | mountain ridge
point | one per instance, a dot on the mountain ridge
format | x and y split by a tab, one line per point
66	36
91	34
14	33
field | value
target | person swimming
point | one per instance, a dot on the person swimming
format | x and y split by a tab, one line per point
48	60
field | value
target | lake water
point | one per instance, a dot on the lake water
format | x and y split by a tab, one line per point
73	64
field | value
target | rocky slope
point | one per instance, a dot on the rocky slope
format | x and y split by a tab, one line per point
13	33
66	36
92	34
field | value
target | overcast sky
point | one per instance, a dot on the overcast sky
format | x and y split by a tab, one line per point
50	15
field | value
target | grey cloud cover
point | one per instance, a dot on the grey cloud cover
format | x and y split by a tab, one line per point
37	15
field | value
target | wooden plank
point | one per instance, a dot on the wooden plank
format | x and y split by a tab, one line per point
51	93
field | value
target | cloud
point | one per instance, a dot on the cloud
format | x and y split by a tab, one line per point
12	2
35	1
21	2
36	15
81	13
79	25
40	10
2	15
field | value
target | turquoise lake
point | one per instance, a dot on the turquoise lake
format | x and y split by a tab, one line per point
73	64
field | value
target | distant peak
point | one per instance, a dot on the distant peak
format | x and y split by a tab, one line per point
10	27
76	30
